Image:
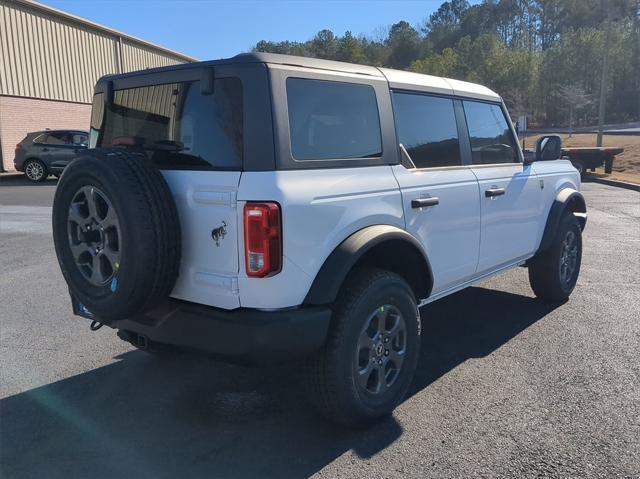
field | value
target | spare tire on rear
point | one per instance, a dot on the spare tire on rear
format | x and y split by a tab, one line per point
116	232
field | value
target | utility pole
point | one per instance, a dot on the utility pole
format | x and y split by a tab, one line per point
636	31
603	81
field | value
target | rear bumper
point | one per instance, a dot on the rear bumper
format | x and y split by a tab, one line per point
18	163
243	334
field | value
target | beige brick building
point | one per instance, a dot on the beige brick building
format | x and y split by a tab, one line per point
49	63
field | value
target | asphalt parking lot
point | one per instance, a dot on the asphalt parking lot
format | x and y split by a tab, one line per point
507	386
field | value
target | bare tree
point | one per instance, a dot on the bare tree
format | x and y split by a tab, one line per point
576	98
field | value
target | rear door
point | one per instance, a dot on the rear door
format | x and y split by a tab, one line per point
510	192
39	148
53	147
195	134
440	196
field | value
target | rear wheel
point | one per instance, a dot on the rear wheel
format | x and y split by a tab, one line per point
553	274
368	361
35	170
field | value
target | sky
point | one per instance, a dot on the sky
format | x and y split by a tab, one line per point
211	29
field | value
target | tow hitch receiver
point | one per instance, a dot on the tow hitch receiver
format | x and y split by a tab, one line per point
137	340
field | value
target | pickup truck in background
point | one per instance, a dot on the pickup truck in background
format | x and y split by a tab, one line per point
587	158
590	158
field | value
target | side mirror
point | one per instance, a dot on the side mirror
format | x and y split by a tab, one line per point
548	147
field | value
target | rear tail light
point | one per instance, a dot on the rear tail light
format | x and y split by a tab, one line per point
262	239
18	148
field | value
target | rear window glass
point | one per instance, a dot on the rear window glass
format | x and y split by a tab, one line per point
332	120
176	125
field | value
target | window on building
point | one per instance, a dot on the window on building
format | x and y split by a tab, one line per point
426	127
489	133
332	120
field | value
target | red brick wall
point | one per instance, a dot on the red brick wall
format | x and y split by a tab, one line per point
19	116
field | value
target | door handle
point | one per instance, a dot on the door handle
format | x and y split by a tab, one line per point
491	192
45	149
422	202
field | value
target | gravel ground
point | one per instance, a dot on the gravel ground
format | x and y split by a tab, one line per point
506	386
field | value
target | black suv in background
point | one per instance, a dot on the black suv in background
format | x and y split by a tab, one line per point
44	153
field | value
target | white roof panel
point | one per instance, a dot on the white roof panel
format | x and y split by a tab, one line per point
473	90
432	84
416	81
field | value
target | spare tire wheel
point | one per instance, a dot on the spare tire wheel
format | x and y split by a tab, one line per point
117	233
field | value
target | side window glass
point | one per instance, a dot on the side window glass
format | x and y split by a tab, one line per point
332	120
489	133
78	139
97	114
58	139
427	128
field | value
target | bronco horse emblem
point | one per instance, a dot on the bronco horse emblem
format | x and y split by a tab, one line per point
219	233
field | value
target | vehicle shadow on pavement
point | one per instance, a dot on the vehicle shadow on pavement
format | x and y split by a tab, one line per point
188	416
21	180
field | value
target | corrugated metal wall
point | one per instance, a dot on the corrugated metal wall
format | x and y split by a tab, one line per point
135	57
44	55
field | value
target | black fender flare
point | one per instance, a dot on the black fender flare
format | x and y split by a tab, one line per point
567	199
346	255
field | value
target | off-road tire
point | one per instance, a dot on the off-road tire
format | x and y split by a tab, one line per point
545	267
330	376
150	246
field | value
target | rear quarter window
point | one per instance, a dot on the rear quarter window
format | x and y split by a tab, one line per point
332	120
176	125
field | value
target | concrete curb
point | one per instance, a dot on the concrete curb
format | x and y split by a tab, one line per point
618	183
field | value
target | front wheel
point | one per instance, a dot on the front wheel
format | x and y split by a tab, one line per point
553	274
367	364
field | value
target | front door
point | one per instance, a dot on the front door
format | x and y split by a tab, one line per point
53	147
76	145
509	191
440	196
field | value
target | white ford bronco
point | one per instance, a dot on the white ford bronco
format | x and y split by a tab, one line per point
269	206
